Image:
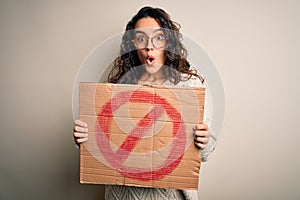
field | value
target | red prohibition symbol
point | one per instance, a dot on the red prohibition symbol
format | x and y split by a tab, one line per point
117	158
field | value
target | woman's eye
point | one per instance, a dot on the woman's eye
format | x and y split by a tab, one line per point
141	39
161	37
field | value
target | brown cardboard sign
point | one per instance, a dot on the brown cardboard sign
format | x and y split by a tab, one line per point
140	135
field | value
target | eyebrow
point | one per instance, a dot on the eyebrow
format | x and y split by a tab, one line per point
142	32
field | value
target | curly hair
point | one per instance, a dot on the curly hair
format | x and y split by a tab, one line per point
125	68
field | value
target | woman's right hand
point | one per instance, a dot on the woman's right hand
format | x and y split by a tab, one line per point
80	132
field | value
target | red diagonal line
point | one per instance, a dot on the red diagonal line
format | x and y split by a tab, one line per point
138	132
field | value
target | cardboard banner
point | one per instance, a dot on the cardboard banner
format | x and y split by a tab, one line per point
140	135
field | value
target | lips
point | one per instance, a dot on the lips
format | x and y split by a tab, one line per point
150	60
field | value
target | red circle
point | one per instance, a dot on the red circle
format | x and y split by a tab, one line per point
116	159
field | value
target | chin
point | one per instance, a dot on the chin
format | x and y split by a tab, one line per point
153	69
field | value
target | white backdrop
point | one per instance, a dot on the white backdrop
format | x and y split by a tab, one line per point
255	45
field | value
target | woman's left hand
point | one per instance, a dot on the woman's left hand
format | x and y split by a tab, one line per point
201	136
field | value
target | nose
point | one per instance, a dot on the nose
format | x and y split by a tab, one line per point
149	45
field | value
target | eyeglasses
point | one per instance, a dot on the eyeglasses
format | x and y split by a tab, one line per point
141	41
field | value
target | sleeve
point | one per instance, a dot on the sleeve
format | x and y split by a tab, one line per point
208	110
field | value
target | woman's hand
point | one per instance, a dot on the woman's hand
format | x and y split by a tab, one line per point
80	132
201	136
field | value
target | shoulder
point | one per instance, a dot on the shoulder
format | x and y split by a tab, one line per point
193	81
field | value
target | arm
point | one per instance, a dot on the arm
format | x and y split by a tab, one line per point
204	137
210	145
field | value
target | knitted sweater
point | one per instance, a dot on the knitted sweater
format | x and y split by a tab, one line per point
118	192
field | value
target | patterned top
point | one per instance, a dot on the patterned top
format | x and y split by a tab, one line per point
120	192
117	192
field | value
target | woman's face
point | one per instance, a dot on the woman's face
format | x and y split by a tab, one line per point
150	43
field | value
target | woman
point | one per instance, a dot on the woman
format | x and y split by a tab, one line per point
152	53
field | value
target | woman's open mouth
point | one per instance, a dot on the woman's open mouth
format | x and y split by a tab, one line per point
150	60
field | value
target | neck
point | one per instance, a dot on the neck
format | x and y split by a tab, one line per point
153	79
